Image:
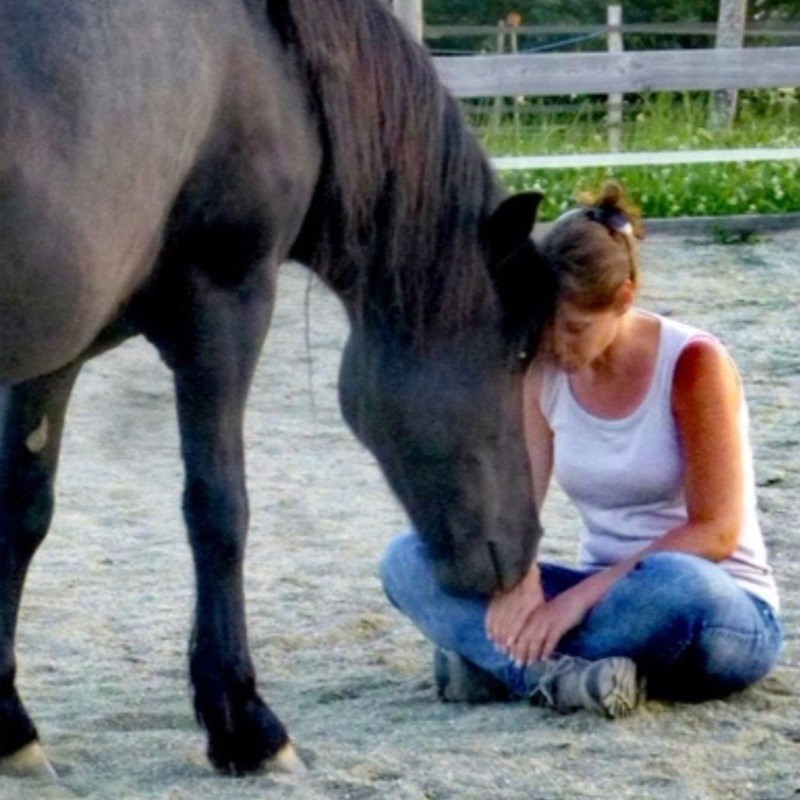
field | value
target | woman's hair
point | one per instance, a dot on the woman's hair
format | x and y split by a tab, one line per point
592	249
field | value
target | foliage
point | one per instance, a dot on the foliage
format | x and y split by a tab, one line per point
663	121
774	9
587	12
487	12
676	191
666	121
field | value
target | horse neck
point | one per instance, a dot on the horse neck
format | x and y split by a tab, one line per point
404	186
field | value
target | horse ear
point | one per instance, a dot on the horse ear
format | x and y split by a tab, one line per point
524	284
511	223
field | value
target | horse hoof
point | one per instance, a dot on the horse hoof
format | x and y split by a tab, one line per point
286	760
28	762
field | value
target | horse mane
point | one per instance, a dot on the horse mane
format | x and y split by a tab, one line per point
404	184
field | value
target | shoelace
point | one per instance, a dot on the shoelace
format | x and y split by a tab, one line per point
553	669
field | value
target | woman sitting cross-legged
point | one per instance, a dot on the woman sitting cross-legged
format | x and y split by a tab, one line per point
643	423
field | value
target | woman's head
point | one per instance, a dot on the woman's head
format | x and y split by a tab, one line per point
592	249
592	253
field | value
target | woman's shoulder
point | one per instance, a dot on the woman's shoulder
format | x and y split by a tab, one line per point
540	377
681	333
694	363
704	369
693	348
541	385
680	342
534	376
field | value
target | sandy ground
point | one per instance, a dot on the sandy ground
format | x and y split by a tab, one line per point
107	609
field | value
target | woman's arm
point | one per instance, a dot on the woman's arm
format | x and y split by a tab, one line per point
509	611
538	436
706	401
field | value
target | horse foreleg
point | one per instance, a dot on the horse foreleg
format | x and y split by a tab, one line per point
213	352
31	423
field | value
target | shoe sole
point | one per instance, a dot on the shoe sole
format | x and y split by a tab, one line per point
612	687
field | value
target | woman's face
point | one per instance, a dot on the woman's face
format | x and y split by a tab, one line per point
581	336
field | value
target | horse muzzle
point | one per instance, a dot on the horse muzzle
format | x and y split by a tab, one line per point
485	568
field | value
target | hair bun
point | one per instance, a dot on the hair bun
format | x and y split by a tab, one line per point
613	204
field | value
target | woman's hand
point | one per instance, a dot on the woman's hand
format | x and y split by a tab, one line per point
537	633
548	623
509	611
528	628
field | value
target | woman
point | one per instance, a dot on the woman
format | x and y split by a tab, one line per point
643	423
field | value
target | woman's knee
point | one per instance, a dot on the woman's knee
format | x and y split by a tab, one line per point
697	584
674	562
659	608
721	639
402	567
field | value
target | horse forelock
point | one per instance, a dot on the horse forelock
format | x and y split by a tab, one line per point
404	184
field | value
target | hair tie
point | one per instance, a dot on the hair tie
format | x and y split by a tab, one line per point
612	218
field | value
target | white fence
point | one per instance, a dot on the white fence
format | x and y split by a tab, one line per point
661	158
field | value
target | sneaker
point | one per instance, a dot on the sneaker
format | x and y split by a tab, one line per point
566	683
460	681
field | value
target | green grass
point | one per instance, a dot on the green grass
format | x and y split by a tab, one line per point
664	121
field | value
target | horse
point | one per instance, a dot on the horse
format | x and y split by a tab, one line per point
158	161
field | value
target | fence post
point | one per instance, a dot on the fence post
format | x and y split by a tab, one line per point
410	13
513	21
731	22
497	102
614	103
501	37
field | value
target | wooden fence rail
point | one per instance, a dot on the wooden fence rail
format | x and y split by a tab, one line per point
633	71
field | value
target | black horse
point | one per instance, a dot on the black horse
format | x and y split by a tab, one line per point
158	160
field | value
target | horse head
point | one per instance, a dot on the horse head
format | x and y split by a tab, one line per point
445	420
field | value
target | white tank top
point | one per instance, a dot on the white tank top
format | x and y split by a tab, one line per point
625	476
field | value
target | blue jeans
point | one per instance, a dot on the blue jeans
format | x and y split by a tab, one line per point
692	630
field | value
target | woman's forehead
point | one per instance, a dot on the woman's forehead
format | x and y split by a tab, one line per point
570	312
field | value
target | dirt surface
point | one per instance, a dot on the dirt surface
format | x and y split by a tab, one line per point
108	603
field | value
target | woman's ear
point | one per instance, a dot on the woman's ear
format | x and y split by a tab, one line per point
625	296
